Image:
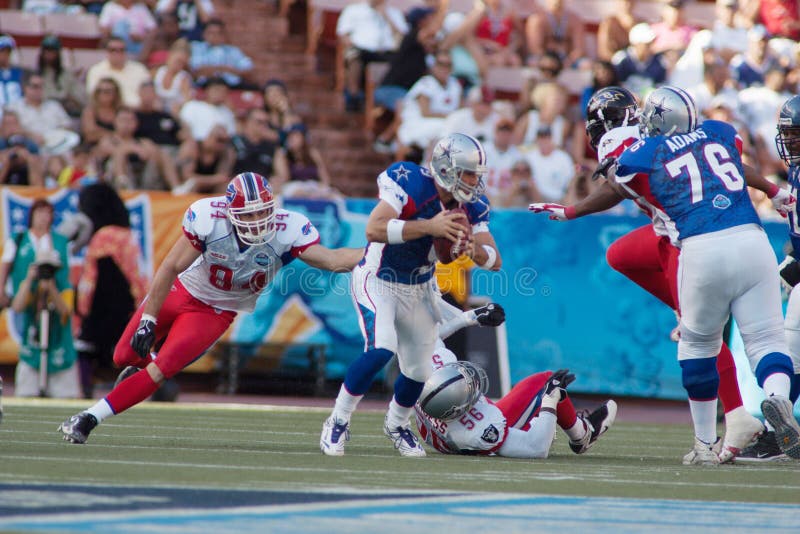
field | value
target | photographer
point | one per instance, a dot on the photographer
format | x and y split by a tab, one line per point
37	264
20	163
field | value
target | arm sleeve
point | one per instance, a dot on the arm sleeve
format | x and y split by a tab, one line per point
392	192
535	443
307	235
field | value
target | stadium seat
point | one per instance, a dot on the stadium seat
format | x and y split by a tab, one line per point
321	19
25	28
80	30
84	58
575	80
507	82
28	57
375	73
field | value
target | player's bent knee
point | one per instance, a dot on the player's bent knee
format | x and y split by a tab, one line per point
155	373
694	345
124	355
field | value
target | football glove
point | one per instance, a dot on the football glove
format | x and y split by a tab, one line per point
142	341
783	202
789	270
555	388
490	315
603	168
557	212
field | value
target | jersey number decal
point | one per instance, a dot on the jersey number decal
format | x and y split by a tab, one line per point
720	162
468	419
221	277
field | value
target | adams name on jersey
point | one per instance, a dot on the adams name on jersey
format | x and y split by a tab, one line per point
410	189
228	275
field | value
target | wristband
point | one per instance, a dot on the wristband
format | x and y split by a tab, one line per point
772	190
569	212
492	256
148	317
394	231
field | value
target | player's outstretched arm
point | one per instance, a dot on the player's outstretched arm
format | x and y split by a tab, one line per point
601	199
338	260
782	200
383	226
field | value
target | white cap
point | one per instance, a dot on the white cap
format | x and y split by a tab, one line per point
641	33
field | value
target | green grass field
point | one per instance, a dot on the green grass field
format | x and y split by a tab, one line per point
193	445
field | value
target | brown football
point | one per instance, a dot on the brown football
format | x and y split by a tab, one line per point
447	250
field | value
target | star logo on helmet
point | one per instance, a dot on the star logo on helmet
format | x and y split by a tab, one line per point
401	173
659	109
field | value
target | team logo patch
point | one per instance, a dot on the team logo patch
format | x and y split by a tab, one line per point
190	215
491	434
307	228
263	259
721	202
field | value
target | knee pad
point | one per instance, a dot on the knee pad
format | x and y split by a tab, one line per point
775	362
362	371
407	391
764	342
700	378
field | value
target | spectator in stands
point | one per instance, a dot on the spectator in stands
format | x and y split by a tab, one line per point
257	149
548	71
155	49
520	189
749	68
557	29
155	124
717	82
426	105
60	84
20	163
133	163
552	167
501	155
40	7
498	35
10	75
369	31
39	270
638	67
603	75
206	165
728	36
458	35
672	33
305	160
476	119
214	57
38	116
780	17
82	168
549	108
612	34
279	110
97	119
128	20
193	15
759	105
127	73
203	115
173	83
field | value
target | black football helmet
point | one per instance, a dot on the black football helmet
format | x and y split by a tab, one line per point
788	138
609	108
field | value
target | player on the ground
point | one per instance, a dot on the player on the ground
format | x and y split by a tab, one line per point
230	250
455	417
788	143
393	287
695	178
646	256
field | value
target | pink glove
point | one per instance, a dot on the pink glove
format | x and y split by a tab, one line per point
557	211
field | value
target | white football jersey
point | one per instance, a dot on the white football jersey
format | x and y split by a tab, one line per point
228	276
482	430
612	144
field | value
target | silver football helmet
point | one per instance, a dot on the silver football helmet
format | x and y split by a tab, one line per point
668	110
452	390
451	157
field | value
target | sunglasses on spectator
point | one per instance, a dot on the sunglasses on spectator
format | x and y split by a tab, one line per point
106	90
35	85
116	49
447	64
521	170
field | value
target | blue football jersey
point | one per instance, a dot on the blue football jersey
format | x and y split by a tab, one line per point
794	223
410	189
695	179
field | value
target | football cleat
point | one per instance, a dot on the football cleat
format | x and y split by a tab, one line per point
741	429
125	373
76	429
597	423
701	454
335	433
404	440
490	315
779	412
765	449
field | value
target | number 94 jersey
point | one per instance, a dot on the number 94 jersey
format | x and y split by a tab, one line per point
696	180
225	275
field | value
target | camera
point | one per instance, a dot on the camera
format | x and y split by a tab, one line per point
47	263
46	271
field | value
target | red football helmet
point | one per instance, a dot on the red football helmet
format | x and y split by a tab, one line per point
251	208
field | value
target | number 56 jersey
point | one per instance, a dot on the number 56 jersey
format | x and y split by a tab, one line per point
228	275
482	430
696	180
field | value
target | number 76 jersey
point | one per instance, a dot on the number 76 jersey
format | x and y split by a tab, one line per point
695	180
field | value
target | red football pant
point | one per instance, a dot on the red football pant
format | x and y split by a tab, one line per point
651	261
522	403
187	326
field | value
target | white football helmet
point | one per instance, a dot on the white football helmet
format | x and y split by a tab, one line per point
452	390
453	155
668	110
